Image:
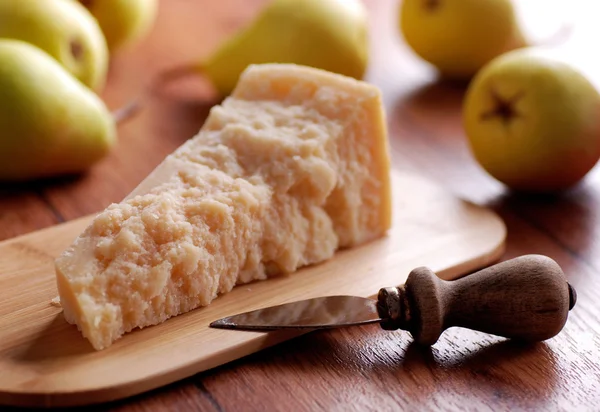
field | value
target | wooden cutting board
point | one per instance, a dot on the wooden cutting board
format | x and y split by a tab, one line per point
46	362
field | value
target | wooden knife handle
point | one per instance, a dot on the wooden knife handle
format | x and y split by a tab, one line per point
525	298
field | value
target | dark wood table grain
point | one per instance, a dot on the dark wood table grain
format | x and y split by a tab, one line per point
360	368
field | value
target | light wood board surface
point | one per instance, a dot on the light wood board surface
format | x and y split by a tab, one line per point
46	362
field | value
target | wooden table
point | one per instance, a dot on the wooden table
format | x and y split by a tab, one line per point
359	368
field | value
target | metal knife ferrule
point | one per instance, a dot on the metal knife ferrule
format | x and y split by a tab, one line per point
393	308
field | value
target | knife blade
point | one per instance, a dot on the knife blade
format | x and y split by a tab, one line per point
316	313
525	298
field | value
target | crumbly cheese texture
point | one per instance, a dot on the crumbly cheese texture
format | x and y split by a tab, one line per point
291	167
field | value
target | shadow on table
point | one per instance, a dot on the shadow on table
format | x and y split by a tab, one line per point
10	189
439	97
426	125
569	218
498	365
503	373
58	341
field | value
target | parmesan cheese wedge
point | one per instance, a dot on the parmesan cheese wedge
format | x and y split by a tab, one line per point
291	167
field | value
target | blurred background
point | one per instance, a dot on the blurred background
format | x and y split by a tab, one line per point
424	110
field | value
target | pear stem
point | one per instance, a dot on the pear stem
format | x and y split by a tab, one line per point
127	111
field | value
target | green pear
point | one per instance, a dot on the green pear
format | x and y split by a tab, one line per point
326	34
62	28
532	121
458	37
123	22
50	123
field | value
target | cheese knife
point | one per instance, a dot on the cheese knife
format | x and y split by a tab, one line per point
525	298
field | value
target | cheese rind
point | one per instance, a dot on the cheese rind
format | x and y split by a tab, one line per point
291	167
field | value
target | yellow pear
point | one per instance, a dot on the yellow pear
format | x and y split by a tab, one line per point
123	22
50	123
62	28
458	37
326	34
533	121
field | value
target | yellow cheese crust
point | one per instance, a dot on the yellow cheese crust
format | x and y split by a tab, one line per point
293	166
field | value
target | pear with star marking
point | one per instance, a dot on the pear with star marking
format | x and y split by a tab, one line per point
532	121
